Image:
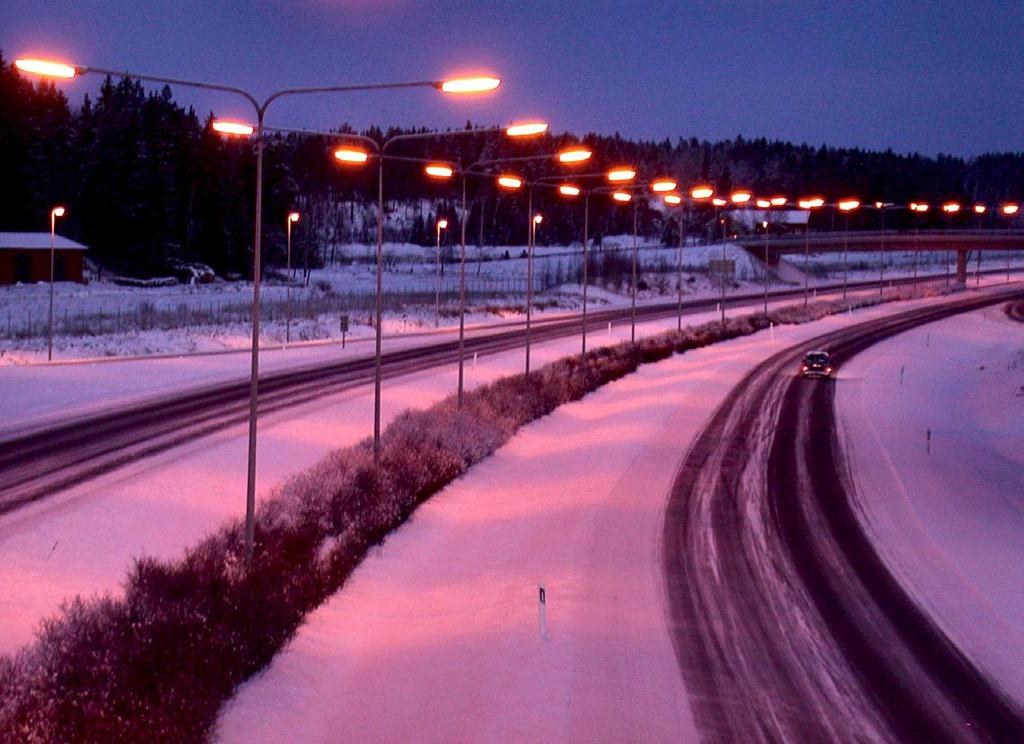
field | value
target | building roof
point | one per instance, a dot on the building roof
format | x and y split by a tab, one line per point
37	241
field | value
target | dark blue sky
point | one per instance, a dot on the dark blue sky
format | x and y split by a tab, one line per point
939	76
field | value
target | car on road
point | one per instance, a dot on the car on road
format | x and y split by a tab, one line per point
816	364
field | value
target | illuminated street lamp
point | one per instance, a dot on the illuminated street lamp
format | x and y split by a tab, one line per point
846	206
621	174
293	217
675	200
1009	211
453	86
54	214
441	225
574	155
918	208
809	204
740	197
702	192
882	207
767	204
663	185
949	208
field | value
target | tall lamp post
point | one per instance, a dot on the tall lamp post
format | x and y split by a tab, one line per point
675	200
698	195
846	206
949	209
1010	212
442	224
809	204
918	208
454	86
882	207
739	198
54	214
293	217
979	209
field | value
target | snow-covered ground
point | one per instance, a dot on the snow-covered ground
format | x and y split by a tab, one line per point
948	516
83	540
439	636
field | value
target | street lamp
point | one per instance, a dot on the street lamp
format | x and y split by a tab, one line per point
882	207
453	86
442	224
675	200
846	206
622	175
293	217
949	209
809	204
54	214
918	208
1009	211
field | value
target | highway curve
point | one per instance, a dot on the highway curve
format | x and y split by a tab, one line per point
38	463
786	623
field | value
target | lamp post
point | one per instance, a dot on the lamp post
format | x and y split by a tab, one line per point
675	200
949	209
54	214
441	225
918	208
738	198
846	206
293	217
619	176
882	207
979	209
697	194
1010	212
809	204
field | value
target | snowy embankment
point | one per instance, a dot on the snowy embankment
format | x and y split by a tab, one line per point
440	635
934	423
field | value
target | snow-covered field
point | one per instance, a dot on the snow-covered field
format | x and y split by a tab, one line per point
450	603
948	514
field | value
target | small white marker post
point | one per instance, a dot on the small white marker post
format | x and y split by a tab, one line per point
609	329
542	612
474	359
771	330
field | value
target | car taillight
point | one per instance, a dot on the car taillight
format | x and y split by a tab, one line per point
828	369
805	368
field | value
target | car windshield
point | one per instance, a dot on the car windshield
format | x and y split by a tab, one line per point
816	359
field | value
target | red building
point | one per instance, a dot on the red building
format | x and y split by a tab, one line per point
25	257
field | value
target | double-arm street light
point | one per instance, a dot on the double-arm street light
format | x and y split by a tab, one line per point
455	86
949	209
918	208
54	214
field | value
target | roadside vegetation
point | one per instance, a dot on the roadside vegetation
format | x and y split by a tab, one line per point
158	662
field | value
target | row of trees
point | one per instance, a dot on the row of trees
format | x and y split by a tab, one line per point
147	180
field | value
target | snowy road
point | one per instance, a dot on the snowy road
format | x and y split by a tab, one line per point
787	624
436	636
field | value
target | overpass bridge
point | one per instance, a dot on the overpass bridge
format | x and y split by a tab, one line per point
962	242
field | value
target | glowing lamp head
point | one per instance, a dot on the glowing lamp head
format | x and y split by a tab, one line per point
351	155
470	85
673	199
57	211
980	209
918	207
763	203
741	197
442	224
233	128
719	201
811	203
46	68
622	196
1010	209
702	192
951	207
569	190
439	171
778	201
528	129
662	185
538	218
510	182
621	174
574	155
848	205
293	216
